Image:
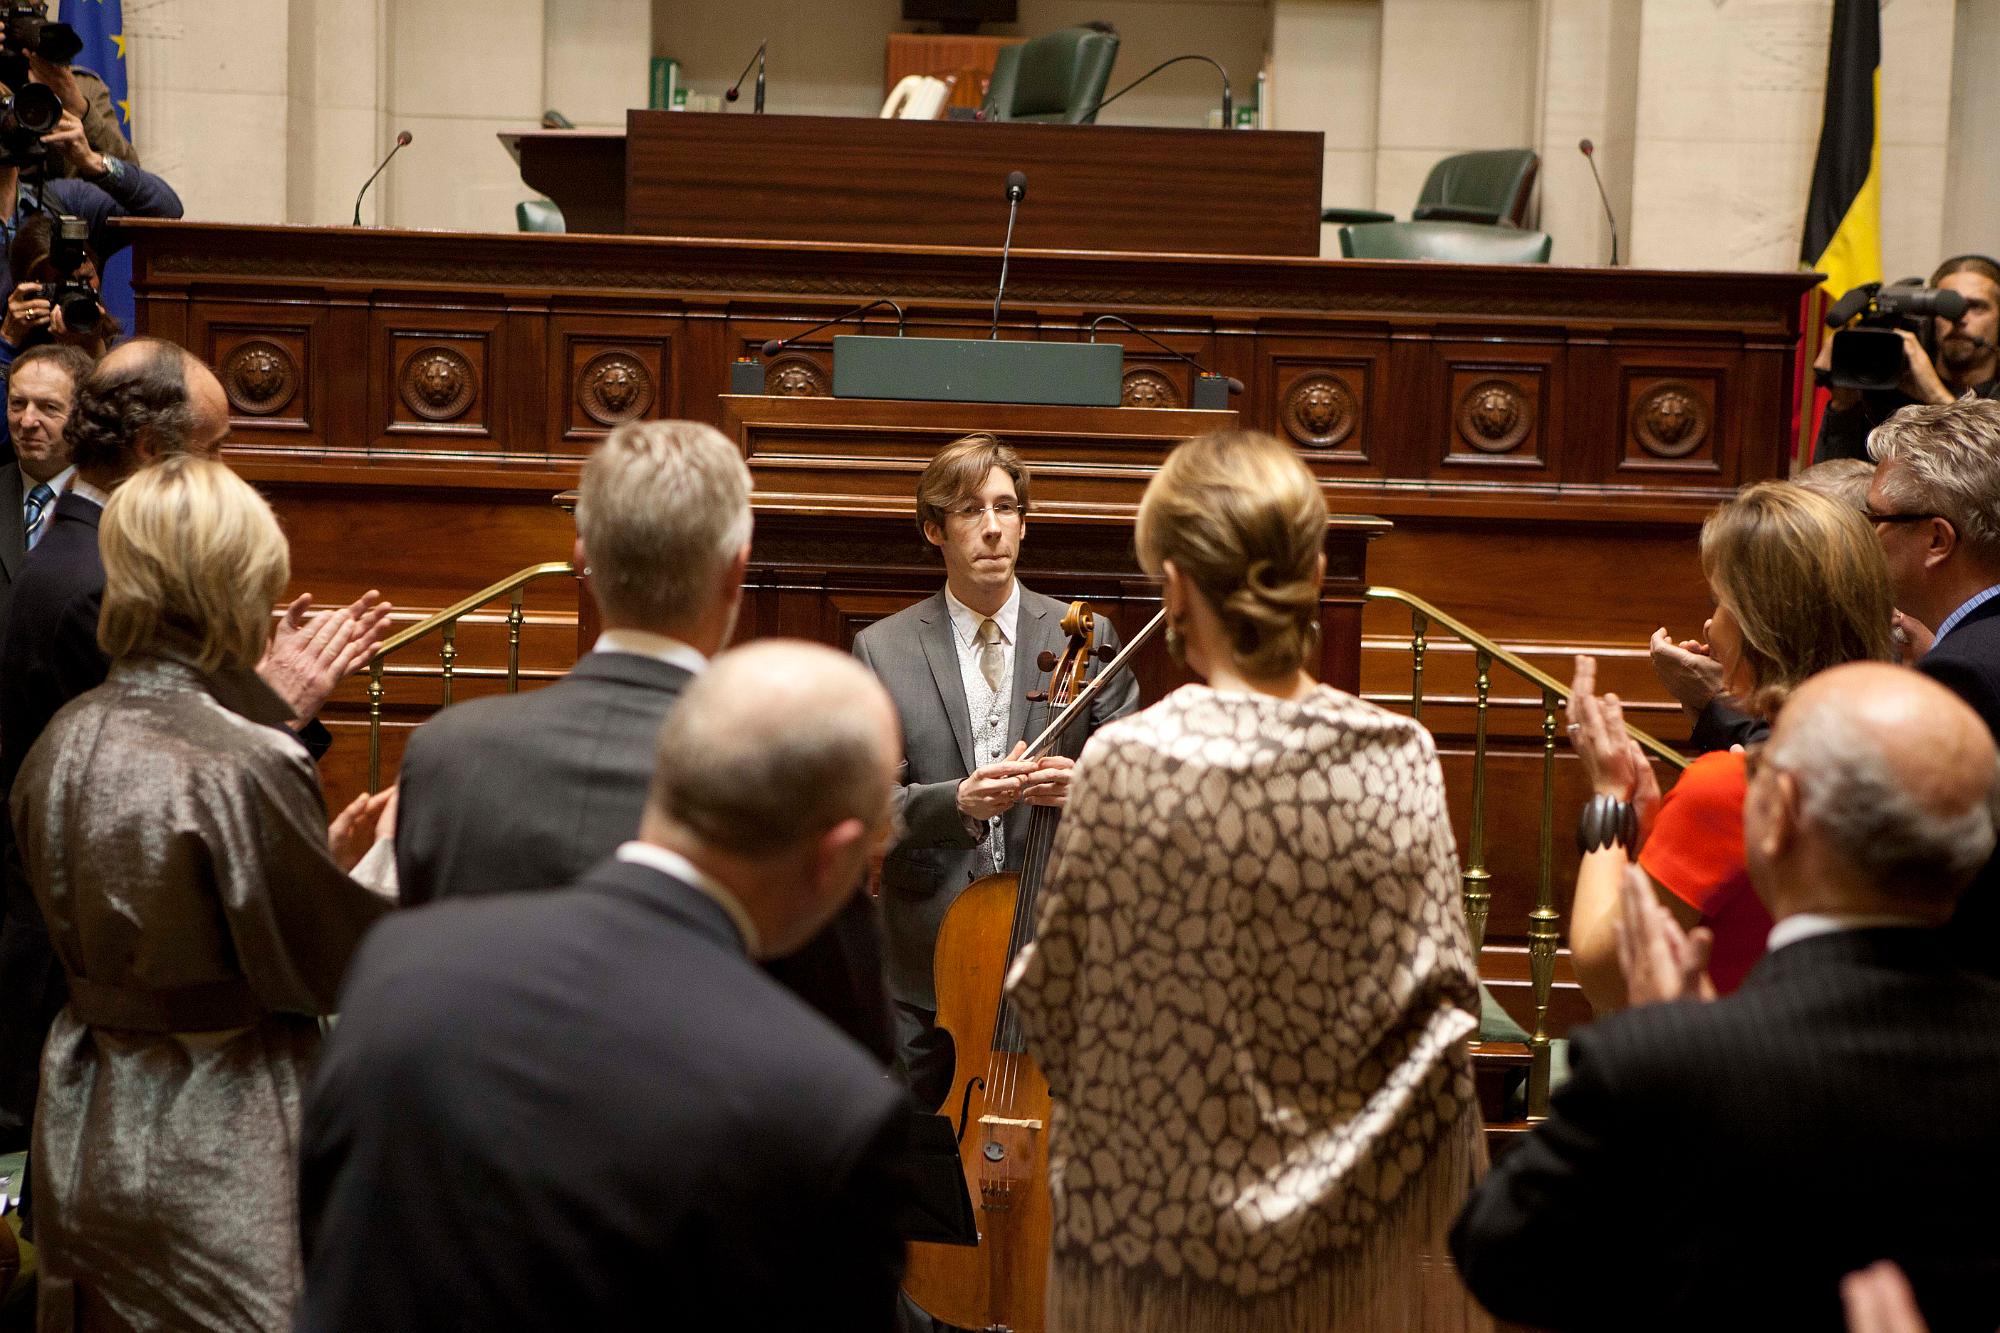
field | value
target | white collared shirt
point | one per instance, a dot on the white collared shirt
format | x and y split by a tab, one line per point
58	483
667	862
965	625
645	643
1805	925
78	486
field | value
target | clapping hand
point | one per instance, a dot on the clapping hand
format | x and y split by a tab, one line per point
1660	960
1688	670
1878	1299
357	828
310	655
1612	760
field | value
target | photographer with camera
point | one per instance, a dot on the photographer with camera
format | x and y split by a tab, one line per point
35	51
1949	335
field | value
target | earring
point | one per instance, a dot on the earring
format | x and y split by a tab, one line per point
1176	645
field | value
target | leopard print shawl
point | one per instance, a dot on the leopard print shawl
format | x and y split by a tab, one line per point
1250	990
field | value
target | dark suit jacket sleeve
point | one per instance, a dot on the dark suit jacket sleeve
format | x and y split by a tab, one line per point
930	813
855	1263
1964	678
1574	1194
416	832
1718	726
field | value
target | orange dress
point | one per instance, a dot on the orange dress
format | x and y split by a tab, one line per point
1695	852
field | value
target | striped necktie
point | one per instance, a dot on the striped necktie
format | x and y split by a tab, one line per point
35	512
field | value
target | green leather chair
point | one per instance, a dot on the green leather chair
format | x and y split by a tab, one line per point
538	215
1492	187
1458	242
1058	77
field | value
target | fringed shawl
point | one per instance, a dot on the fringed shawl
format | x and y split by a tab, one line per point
1250	989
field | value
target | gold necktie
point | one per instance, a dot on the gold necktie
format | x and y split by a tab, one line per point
992	662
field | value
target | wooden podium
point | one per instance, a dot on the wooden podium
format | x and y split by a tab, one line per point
897	182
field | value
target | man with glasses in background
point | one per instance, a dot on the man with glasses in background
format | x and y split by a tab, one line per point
958	666
1935	504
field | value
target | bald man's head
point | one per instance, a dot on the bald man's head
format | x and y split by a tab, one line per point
146	399
1886	781
775	742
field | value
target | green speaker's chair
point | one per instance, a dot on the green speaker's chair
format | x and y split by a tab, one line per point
1491	187
1058	77
538	215
1458	242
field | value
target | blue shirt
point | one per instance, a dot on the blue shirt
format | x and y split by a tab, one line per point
1971	604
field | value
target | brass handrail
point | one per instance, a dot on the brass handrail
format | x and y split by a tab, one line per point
445	624
1544	922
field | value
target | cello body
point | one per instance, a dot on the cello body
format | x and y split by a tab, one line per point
1004	1150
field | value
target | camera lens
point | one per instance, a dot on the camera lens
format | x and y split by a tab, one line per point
80	311
37	109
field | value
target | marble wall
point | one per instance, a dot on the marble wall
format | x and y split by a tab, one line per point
1705	112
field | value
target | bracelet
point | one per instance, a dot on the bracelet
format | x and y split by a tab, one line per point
1606	821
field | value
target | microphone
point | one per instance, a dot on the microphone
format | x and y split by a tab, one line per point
402	142
1589	151
757	104
1017	190
1211	391
772	346
1228	104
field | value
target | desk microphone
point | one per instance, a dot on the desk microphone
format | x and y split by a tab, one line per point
1017	190
402	142
1211	391
773	346
1589	151
1228	105
757	102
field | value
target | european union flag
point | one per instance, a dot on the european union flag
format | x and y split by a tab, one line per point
101	25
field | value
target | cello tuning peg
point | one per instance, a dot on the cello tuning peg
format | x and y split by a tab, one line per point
1047	661
1037	697
1104	652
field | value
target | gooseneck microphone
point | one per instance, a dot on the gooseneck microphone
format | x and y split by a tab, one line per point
735	89
1017	190
402	142
1228	104
773	346
1589	151
1211	391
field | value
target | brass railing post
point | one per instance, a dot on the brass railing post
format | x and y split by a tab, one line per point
1478	896
1419	625
375	725
447	654
1542	922
514	618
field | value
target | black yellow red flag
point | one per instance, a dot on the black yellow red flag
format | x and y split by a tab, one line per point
1843	234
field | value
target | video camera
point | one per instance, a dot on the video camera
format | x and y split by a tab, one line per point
30	110
1870	354
69	251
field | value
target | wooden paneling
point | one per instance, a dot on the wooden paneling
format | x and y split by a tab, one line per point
890	182
966	57
1640	399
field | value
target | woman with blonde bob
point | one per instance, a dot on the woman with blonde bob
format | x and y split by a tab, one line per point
1799	584
1250	985
177	843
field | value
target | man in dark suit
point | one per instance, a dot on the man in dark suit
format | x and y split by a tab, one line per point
1935	503
1721	1165
528	791
41	394
589	1108
959	666
145	400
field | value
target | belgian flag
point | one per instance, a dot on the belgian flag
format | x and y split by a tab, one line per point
1843	236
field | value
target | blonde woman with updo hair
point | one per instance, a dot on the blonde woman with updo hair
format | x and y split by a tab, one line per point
175	837
1250	986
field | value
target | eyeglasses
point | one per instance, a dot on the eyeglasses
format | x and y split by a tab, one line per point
1874	517
1003	510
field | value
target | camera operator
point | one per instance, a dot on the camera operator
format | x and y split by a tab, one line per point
55	299
100	189
1967	361
34	50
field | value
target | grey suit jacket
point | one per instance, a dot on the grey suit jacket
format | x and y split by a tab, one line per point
13	536
529	791
913	655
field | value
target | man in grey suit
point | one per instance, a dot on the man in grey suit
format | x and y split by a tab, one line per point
958	667
529	791
41	394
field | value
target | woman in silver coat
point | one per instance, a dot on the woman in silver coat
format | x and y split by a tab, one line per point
177	842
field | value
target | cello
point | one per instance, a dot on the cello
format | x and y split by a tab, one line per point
1002	1098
